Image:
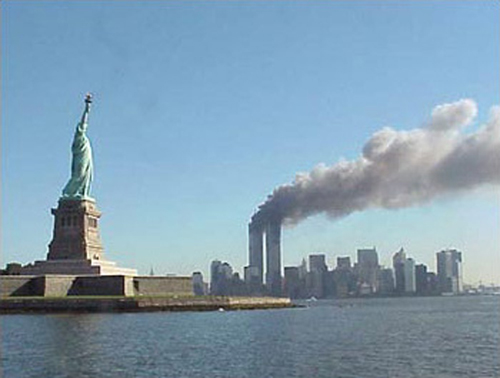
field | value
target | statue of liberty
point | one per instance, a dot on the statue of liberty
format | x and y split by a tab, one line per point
78	186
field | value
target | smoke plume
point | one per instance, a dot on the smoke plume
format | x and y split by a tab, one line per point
397	169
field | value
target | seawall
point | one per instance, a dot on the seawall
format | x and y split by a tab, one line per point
19	305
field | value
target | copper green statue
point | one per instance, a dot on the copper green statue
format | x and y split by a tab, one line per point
78	186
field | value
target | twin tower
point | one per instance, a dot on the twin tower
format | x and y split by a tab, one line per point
254	276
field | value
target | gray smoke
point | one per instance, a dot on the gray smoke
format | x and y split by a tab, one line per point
397	169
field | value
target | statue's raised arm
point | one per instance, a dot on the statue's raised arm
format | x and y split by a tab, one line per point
78	186
86	111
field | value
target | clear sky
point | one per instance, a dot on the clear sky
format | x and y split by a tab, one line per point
202	108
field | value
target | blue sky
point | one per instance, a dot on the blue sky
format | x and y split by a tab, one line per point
202	108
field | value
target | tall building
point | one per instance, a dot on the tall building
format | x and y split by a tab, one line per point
409	273
292	284
398	261
386	281
215	278
343	262
368	269
273	257
254	276
344	279
317	275
449	270
317	263
329	284
432	283
421	278
220	277
255	254
199	286
303	269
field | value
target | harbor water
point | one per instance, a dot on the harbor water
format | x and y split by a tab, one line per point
387	337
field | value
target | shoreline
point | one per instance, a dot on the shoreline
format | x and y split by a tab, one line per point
95	304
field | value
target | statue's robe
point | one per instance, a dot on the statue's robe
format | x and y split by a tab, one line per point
78	185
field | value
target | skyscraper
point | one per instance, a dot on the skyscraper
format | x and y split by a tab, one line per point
273	257
409	275
343	262
317	263
199	286
449	269
254	274
421	279
386	281
303	269
398	261
220	277
344	277
368	268
292	284
317	271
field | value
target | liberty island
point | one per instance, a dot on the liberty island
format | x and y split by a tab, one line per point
76	266
76	262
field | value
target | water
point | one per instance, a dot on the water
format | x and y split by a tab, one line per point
407	337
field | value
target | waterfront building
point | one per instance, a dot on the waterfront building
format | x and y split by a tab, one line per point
237	286
409	274
303	270
316	276
253	280
199	286
254	274
449	270
386	281
398	261
273	258
368	269
421	283
329	287
220	277
317	263
345	282
432	283
344	262
223	281
292	282
344	279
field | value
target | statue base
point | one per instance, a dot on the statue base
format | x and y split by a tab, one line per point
76	247
76	231
76	267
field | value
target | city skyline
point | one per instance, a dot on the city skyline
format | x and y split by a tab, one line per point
361	277
211	114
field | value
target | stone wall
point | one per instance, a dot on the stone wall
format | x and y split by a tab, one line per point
136	304
102	285
12	286
155	285
55	285
73	285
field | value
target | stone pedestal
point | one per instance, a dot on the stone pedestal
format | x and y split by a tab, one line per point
76	247
76	267
76	231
